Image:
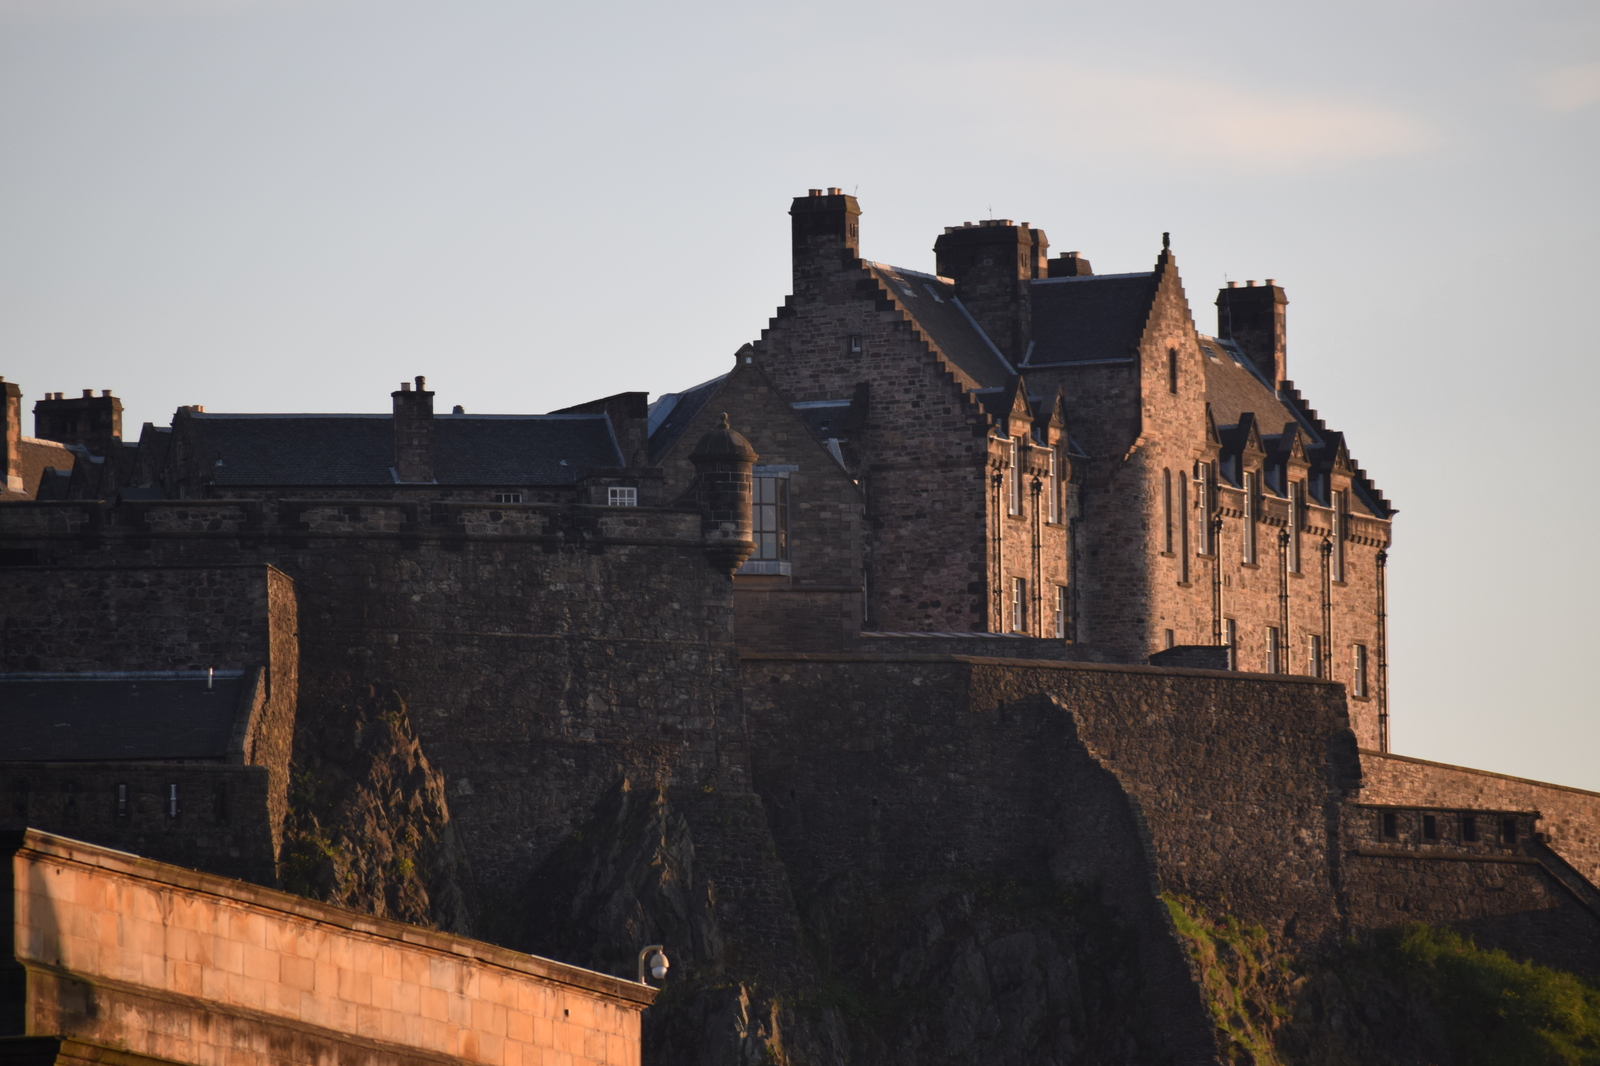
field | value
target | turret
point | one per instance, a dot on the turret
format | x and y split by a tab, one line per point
722	463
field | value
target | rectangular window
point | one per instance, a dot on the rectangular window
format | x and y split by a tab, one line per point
172	801
1508	830
1166	511
1172	371
1169	638
1341	517
1391	825
855	344
1055	486
1297	514
1013	478
622	496
1430	827
1358	670
769	516
1314	653
1230	633
1183	529
1251	489
1203	508
1469	828
1061	612
121	792
508	497
1274	651
1019	605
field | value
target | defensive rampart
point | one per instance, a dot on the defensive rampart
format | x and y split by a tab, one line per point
114	957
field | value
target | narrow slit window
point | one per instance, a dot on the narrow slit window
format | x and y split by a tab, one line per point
1203	506
121	794
1166	511
1314	651
1183	530
1013	478
1251	489
1230	633
1297	509
1341	518
1061	612
1274	651
1019	605
69	801
1430	827
1054	486
1469	828
1508	830
1358	670
1172	371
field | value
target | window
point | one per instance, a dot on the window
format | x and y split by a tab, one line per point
1358	670
855	344
1430	827
1166	511
1172	371
508	497
1391	825
1469	828
1314	651
172	801
770	518
1202	500
1230	633
1061	612
1170	638
1340	517
622	496
69	801
1252	489
1019	605
1054	485
1274	651
1297	509
122	801
1013	478
1183	530
1508	830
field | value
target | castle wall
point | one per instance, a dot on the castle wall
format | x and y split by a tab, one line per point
1569	818
165	964
543	652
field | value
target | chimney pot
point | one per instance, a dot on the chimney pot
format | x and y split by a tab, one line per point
815	192
405	386
1250	284
88	393
105	392
458	410
1233	284
835	191
422	382
1272	281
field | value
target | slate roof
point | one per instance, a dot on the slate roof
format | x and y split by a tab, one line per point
1089	318
35	457
359	449
99	717
672	412
1233	386
932	302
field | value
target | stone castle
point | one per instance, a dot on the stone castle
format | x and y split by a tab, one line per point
918	681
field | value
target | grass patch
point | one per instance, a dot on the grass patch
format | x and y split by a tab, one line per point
1243	978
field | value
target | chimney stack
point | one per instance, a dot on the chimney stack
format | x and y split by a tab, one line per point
11	423
1070	265
413	432
991	264
1253	319
825	234
92	421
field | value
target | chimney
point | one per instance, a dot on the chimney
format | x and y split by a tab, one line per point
413	432
1070	265
92	421
991	264
11	423
1253	319
825	235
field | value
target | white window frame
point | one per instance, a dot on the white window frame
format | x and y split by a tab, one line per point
1358	671
1055	487
622	496
1248	548
1013	478
1061	612
1019	605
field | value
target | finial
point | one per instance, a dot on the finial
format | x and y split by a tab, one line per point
1166	242
725	421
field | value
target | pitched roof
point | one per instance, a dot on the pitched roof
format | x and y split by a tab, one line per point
359	449
36	456
1089	318
672	412
1234	385
933	304
98	717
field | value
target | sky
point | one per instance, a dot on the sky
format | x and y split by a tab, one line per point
293	205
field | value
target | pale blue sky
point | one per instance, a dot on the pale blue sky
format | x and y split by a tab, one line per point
294	204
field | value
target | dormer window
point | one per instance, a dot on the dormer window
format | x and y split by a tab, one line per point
1013	479
508	497
621	496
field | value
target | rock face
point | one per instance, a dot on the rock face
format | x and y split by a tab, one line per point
368	825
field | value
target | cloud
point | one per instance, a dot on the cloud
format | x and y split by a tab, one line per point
1569	88
1176	121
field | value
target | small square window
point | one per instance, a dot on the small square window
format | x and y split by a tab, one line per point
508	497
622	496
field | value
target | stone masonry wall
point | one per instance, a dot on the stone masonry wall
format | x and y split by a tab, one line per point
1569	818
167	964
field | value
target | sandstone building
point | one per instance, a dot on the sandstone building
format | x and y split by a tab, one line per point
934	639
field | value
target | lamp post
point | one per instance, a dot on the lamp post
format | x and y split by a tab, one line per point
654	959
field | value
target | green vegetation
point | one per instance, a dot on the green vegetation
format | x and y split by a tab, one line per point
1497	1011
1244	980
